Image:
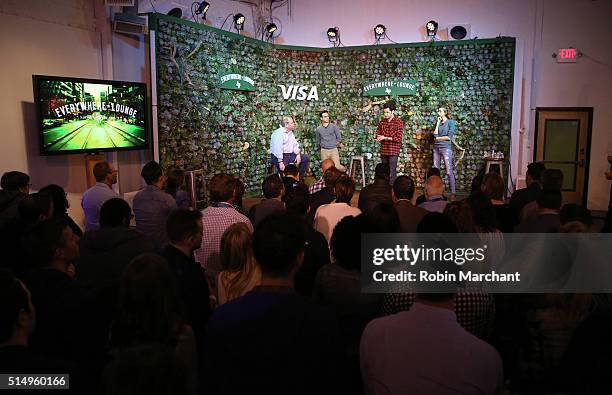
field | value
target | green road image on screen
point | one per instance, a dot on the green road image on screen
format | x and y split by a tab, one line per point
92	134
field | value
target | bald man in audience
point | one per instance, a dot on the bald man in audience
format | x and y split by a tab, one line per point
434	191
320	184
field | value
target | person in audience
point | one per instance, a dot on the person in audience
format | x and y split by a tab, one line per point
434	191
94	197
106	252
238	196
149	312
339	285
383	218
433	171
145	369
493	188
325	195
184	228
291	177
485	219
215	220
328	215
53	251
15	186
320	183
409	214
241	272
316	251
377	192
426	351
175	186
31	209
152	205
552	180
523	196
460	213
575	218
273	190
61	205
271	326
547	221
17	323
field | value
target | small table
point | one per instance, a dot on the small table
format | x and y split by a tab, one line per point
495	162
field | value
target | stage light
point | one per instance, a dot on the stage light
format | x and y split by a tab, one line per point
271	28
333	35
203	8
239	21
379	32
432	28
199	8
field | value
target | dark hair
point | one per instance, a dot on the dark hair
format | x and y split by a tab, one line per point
272	186
13	299
550	199
535	170
483	211
433	171
151	172
382	171
182	224
13	180
239	189
383	218
331	176
175	180
390	105
277	242
147	369
493	186
115	212
345	241
33	206
323	112
296	200
149	307
435	222
292	170
552	179
222	187
460	212
344	189
58	195
403	187
42	240
476	183
101	170
575	212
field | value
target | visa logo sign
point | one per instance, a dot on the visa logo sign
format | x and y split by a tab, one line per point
298	92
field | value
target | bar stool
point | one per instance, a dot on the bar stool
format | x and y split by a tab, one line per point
495	162
355	160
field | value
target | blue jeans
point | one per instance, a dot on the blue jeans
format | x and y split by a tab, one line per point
290	158
391	160
447	154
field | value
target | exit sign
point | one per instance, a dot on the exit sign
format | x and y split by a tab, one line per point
567	55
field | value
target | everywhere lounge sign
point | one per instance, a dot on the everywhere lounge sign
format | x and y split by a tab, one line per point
237	82
390	88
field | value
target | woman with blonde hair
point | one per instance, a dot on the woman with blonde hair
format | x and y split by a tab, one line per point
240	271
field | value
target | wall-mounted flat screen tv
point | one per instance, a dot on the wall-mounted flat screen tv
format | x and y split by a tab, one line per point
77	115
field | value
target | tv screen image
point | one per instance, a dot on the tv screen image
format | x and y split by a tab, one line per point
78	115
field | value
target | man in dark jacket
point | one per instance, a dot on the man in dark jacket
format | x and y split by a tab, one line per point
15	186
409	214
529	194
377	192
273	189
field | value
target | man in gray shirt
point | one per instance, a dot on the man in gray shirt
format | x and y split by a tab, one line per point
94	197
152	205
328	140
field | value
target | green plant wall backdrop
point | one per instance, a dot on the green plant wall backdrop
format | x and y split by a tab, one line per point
204	127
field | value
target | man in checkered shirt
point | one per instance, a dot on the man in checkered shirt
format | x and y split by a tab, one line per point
389	133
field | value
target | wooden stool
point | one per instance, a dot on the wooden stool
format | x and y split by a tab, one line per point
494	162
355	160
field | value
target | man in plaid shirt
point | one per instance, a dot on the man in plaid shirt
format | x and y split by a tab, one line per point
390	132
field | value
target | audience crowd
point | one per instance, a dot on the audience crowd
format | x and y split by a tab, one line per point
269	300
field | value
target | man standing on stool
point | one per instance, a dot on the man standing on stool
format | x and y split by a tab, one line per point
329	140
284	148
444	134
390	132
